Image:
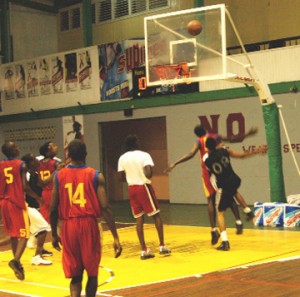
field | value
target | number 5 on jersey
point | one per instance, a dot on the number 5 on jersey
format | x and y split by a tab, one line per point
76	196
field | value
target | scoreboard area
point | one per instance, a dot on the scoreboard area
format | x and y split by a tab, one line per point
141	90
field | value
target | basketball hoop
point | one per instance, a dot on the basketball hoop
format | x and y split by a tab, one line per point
168	74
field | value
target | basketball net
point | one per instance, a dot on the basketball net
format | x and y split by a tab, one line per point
168	74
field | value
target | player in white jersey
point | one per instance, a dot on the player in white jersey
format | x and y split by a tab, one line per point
135	167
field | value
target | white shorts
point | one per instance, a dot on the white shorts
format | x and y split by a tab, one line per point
37	223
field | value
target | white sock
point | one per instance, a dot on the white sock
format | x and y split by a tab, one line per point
238	222
224	236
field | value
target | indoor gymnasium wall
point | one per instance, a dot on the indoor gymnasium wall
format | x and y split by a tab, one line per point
232	115
262	20
34	33
115	30
256	20
227	116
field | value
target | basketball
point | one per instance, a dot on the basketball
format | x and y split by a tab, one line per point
194	27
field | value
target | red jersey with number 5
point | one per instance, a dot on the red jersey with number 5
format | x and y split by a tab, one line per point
11	182
77	192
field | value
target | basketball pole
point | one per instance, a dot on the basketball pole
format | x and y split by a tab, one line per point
272	126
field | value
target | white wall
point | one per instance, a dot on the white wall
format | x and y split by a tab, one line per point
34	33
185	179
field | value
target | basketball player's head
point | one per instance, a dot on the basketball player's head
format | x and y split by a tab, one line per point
211	144
77	150
10	149
31	162
131	142
200	131
49	149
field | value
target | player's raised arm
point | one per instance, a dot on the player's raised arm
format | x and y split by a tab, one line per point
239	138
184	158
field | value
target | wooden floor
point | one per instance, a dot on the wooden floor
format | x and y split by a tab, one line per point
261	262
270	279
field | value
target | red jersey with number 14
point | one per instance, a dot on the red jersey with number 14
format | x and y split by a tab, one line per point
11	182
77	192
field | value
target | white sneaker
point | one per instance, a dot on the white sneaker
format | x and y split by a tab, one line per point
38	260
164	250
32	242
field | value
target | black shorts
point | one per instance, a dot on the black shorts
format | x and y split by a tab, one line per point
227	194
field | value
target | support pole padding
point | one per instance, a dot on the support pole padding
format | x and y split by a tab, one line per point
271	120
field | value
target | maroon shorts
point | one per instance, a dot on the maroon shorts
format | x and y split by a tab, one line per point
15	220
143	200
81	246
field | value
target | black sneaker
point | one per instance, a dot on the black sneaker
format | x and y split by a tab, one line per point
239	228
249	216
46	253
224	246
17	268
215	235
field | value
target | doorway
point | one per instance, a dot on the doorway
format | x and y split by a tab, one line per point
152	134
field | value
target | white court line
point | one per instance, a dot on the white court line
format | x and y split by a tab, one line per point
22	294
198	275
5	251
34	284
110	271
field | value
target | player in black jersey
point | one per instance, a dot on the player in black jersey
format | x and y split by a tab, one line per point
227	181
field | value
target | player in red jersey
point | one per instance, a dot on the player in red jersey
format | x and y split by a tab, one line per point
78	199
14	209
46	170
199	146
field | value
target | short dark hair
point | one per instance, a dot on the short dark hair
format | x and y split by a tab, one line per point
211	143
7	149
131	142
77	150
200	131
28	158
44	149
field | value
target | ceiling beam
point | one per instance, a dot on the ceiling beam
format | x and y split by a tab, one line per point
35	5
65	3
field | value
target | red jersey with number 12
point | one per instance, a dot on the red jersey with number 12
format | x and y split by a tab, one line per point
77	192
46	168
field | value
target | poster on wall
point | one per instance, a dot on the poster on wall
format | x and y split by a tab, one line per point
32	81
72	129
9	82
20	87
57	74
84	69
116	61
71	72
45	76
